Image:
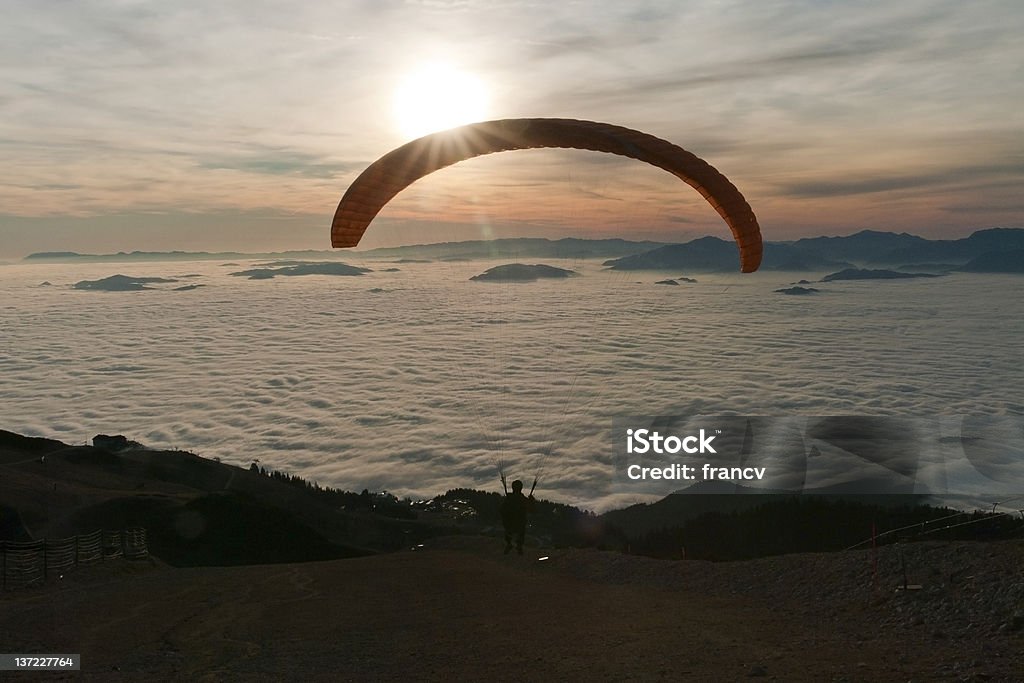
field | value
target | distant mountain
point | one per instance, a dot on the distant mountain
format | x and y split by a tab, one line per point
955	251
703	254
867	274
567	248
711	254
62	256
707	254
523	247
863	246
996	238
53	255
875	247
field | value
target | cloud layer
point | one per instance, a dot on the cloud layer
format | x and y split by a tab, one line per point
432	382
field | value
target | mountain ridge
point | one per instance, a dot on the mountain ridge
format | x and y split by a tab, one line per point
706	253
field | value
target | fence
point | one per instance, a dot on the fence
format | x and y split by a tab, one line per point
921	529
25	564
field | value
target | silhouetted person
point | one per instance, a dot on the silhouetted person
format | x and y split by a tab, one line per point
514	509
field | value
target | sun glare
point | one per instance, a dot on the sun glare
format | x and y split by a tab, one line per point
436	97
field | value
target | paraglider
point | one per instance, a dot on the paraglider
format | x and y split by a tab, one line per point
396	170
389	175
514	509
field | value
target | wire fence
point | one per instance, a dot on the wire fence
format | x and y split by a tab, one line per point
943	524
33	562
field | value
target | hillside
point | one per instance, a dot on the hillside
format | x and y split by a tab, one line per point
203	512
197	511
455	606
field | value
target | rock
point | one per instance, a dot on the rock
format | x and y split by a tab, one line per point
121	283
521	272
302	268
757	671
797	290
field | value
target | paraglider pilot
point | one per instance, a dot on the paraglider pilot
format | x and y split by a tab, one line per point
514	509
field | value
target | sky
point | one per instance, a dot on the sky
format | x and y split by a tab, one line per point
238	125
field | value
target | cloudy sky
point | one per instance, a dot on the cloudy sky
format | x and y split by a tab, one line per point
238	125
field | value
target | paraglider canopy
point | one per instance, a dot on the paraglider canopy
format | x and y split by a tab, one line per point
401	167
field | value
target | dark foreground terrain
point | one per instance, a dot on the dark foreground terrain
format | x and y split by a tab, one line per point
459	609
252	577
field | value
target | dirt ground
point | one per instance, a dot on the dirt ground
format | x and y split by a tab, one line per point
461	609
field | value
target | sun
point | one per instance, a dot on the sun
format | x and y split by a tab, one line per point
436	97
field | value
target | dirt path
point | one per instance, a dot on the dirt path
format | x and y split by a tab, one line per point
439	614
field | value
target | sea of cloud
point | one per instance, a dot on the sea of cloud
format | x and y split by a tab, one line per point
418	381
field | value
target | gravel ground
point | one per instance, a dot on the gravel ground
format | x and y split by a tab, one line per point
459	608
963	611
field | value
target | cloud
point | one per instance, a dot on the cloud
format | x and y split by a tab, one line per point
970	176
417	393
982	209
283	162
109	108
652	88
